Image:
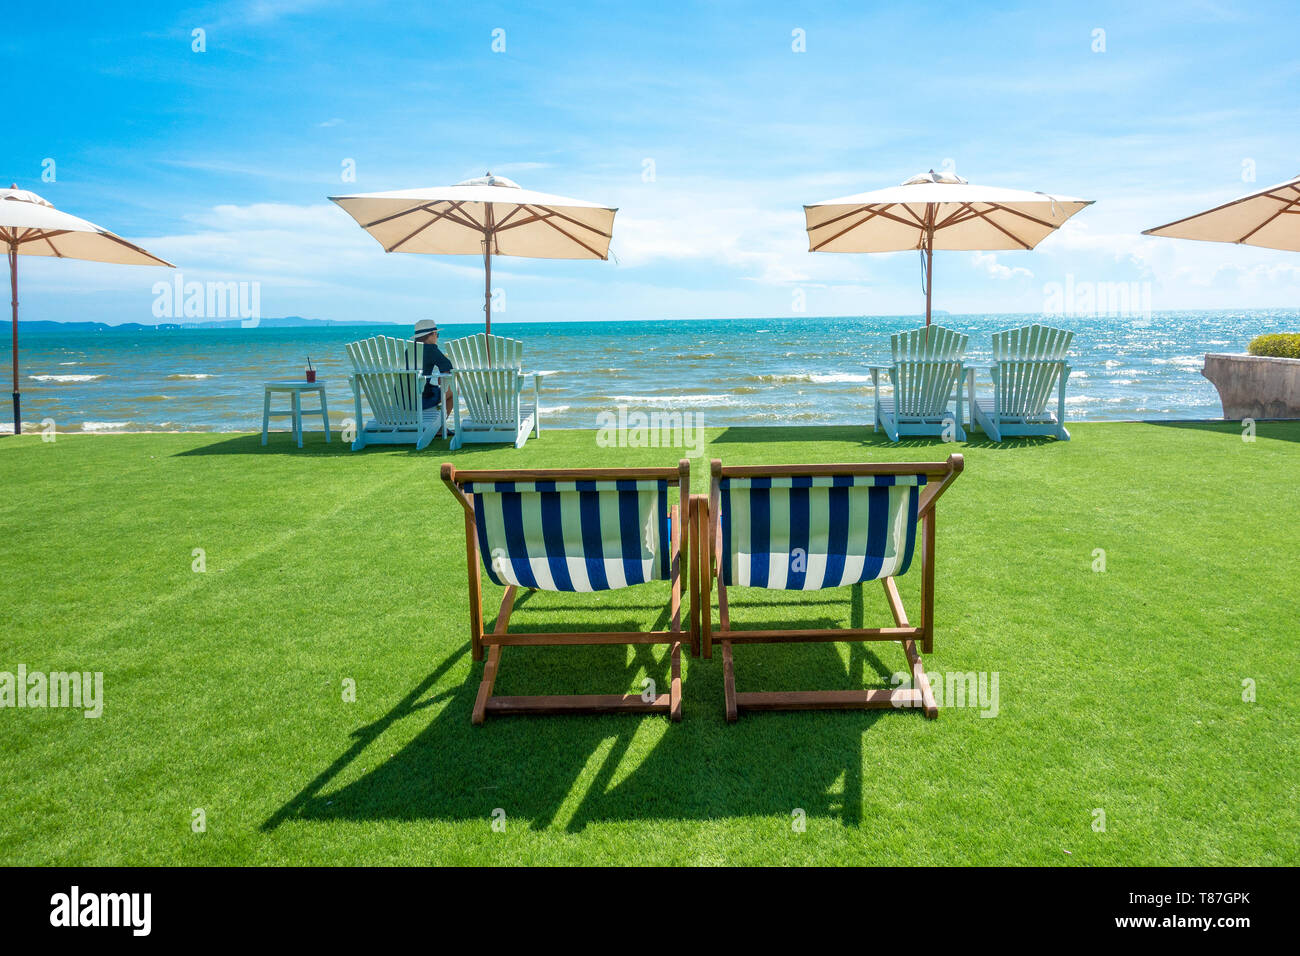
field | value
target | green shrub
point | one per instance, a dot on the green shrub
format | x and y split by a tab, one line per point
1279	345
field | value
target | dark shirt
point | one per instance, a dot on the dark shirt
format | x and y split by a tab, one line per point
433	357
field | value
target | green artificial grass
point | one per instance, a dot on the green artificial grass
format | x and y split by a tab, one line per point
1119	691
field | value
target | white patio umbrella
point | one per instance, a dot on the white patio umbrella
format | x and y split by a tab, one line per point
30	226
936	211
1268	218
487	216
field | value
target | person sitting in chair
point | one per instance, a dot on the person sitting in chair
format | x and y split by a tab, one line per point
426	332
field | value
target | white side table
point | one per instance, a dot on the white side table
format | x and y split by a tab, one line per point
295	389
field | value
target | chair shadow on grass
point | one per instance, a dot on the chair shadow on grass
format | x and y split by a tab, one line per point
1274	428
315	446
568	772
866	438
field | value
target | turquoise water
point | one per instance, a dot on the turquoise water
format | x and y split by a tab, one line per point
791	370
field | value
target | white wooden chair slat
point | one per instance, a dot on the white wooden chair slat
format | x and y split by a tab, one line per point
472	352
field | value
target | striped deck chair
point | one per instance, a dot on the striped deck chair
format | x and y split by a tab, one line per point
388	372
808	527
927	370
1029	364
580	529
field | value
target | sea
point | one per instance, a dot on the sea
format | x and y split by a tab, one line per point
800	370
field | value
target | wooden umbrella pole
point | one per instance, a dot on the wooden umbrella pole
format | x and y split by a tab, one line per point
13	284
487	279
929	279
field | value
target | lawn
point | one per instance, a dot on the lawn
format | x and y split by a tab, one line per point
1120	690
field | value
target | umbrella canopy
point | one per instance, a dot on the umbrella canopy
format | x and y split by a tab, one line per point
487	216
30	226
1268	218
936	211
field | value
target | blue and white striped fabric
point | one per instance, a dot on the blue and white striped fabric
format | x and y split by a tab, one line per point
808	533
573	535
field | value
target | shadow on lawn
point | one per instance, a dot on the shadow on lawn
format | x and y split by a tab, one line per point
315	446
1277	429
865	437
568	772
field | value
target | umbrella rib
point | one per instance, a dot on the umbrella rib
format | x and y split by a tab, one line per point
1279	212
1005	232
423	207
963	213
871	213
429	207
552	211
499	225
1266	194
831	222
573	239
521	222
1022	215
132	245
423	226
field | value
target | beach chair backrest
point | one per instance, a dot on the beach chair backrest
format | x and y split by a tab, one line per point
389	374
923	388
1030	362
1032	342
573	534
926	365
472	352
935	344
808	532
491	395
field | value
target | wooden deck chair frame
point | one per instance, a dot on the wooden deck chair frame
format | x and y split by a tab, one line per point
939	475
1028	365
926	372
388	371
500	637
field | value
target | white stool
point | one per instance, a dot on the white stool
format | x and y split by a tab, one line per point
296	411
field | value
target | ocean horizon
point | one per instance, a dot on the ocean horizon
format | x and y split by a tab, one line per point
790	370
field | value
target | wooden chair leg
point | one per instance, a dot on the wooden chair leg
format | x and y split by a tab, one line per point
675	691
485	687
919	680
729	682
693	546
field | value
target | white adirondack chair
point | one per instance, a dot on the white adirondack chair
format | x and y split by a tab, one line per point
1029	363
472	352
389	372
927	370
495	407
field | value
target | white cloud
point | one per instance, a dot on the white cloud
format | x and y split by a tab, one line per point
988	262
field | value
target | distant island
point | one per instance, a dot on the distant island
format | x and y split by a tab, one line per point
286	322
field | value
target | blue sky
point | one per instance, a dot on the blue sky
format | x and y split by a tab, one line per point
221	161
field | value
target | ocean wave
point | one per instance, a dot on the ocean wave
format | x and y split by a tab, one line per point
102	426
673	399
64	378
809	378
184	375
